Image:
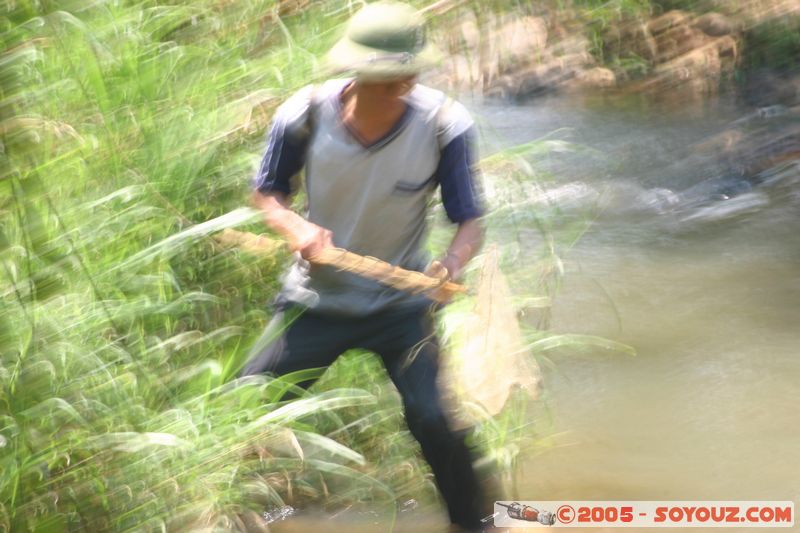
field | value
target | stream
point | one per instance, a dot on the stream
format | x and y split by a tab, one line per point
695	266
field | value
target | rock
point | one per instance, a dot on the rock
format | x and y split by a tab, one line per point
575	45
543	78
689	77
677	41
685	55
674	35
536	80
504	87
695	74
700	62
481	52
643	43
768	151
595	78
458	74
575	61
715	24
668	20
631	38
721	143
519	43
728	51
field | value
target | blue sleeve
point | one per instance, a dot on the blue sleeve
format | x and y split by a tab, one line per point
457	178
284	158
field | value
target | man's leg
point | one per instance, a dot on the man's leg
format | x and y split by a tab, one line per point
410	351
296	341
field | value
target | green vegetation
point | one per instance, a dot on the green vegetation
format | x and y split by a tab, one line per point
601	20
125	127
615	8
130	131
774	45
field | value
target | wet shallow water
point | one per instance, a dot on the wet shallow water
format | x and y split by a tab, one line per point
705	286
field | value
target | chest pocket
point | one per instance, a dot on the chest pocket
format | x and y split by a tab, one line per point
405	188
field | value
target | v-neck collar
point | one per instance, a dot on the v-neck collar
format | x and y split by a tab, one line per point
379	143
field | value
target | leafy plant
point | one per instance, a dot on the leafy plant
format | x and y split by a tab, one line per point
129	132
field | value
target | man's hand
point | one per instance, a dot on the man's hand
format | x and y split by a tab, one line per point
438	271
302	235
466	242
309	239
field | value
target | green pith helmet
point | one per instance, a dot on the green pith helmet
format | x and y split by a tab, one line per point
383	40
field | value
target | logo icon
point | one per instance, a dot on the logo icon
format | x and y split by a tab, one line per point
517	511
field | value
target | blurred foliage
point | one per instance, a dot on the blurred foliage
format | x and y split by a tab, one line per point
129	133
614	9
774	45
696	6
602	16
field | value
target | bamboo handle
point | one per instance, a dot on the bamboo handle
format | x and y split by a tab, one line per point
369	267
394	276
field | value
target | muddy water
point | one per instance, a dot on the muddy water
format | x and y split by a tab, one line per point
695	266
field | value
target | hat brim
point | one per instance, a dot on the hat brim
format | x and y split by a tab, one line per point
366	62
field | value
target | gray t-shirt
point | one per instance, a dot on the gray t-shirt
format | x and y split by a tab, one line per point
373	198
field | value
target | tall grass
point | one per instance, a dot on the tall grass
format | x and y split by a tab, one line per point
126	126
130	131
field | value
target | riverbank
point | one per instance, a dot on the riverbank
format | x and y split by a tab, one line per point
677	51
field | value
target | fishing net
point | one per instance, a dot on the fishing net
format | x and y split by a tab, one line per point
487	358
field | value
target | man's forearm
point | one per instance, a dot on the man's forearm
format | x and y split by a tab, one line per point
465	244
277	215
302	235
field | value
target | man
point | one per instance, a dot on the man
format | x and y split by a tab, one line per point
374	147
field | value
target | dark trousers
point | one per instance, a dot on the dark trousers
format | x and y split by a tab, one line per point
407	345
